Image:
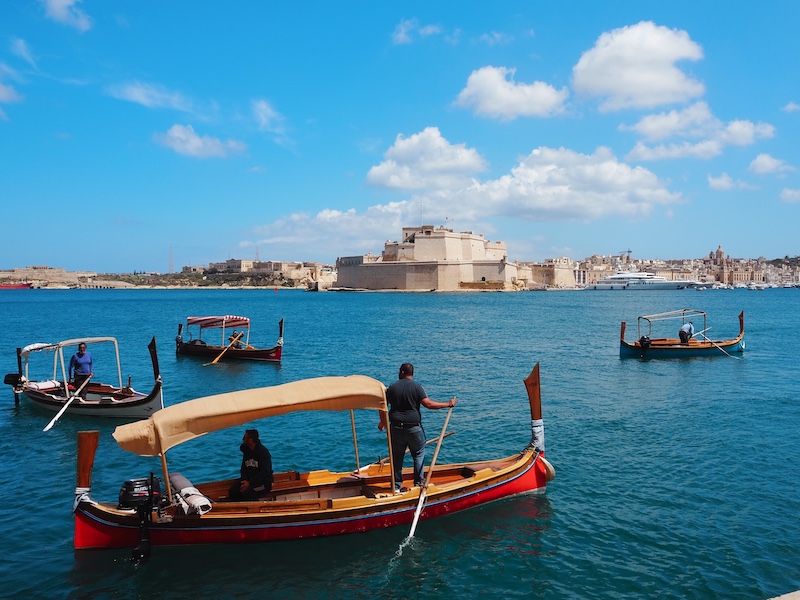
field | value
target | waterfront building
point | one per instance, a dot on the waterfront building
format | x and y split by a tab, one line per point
428	258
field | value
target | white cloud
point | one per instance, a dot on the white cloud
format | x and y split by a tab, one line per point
635	67
68	13
268	118
406	31
563	184
492	92
791	107
496	38
21	49
150	95
725	182
790	195
691	123
425	160
7	92
549	184
706	149
183	140
764	164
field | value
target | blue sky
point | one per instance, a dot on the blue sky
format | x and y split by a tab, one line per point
311	130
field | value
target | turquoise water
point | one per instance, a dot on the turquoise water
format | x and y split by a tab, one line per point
674	478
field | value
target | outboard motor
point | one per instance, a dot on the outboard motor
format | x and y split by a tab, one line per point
142	495
644	343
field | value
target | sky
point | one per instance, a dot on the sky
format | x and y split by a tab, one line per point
145	136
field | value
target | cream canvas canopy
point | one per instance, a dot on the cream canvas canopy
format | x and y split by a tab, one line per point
182	422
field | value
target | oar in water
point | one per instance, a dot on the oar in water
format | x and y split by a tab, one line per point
720	348
64	408
424	492
233	341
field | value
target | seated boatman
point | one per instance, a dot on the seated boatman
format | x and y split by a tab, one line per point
256	472
405	397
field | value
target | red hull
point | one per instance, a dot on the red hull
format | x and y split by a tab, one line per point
267	354
92	530
15	286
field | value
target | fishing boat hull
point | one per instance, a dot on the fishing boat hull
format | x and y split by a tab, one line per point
98	400
95	398
646	347
15	286
208	351
299	505
371	506
201	348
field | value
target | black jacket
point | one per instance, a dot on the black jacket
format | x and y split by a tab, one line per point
257	467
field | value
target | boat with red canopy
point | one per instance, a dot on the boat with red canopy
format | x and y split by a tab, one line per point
301	504
224	346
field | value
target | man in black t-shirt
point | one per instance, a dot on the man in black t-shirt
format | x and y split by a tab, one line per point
405	397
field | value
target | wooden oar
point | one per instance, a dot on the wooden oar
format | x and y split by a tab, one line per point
67	403
233	341
423	493
720	348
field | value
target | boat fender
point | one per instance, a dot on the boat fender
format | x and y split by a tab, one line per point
549	469
191	500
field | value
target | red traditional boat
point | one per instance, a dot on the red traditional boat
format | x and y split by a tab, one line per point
227	348
300	505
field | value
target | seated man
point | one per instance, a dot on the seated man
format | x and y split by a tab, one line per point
234	339
256	472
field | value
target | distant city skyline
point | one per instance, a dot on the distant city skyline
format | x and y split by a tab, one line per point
135	137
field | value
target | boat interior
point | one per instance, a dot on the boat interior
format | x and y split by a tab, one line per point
295	491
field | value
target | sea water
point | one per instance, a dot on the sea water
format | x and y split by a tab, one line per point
675	478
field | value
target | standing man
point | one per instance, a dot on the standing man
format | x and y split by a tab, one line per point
686	332
256	471
80	366
405	397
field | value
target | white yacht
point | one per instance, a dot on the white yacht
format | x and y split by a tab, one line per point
639	280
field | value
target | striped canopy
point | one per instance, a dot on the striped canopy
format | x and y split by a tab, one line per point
223	321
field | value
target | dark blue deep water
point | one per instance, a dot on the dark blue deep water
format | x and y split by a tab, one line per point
676	479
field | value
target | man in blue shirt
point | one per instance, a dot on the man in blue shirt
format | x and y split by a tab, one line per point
405	397
686	332
80	366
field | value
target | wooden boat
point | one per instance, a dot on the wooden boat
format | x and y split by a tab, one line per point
300	505
55	391
197	346
648	346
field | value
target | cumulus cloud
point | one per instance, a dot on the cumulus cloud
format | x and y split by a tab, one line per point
557	183
408	30
492	92
68	12
183	140
725	183
764	164
791	107
425	160
635	67
691	123
790	195
150	95
549	184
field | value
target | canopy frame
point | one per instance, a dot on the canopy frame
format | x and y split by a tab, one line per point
683	315
222	322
